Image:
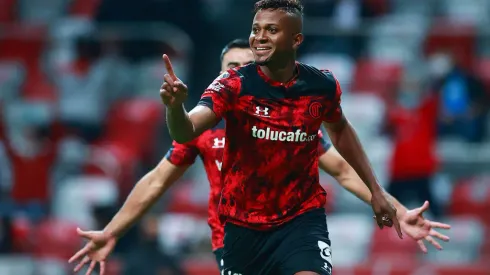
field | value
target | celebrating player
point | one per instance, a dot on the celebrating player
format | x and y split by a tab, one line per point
271	201
210	147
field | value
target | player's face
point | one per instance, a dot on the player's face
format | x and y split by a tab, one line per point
275	36
236	57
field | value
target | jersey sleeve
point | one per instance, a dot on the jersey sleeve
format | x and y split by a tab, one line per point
221	94
182	154
334	110
323	145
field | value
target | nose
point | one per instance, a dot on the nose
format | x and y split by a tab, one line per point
261	37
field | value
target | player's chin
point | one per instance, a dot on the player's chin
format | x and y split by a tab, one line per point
262	60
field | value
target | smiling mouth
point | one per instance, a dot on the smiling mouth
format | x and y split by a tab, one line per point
262	50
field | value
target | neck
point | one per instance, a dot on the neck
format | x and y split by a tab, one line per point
280	72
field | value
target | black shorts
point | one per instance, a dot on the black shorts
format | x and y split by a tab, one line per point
299	245
218	254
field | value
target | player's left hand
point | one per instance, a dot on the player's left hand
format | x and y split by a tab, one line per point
419	229
385	212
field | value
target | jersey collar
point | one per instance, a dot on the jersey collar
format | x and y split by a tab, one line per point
275	83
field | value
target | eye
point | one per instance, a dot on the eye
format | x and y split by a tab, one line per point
255	30
272	30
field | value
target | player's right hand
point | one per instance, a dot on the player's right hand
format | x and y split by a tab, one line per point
97	250
173	91
385	212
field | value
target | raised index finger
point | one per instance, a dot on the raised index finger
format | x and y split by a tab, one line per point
168	66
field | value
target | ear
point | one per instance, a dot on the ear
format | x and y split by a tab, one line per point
298	40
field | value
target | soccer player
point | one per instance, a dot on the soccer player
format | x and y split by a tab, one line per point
271	201
210	146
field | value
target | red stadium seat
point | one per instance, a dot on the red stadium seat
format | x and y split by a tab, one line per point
84	8
474	269
386	245
21	229
22	42
201	267
129	138
387	268
114	160
25	43
55	239
181	201
134	123
114	267
461	41
485	252
472	198
39	166
7	12
482	70
379	7
377	77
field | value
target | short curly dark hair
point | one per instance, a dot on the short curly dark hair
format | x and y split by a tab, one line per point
290	6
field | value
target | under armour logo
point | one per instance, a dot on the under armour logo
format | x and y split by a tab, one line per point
262	112
219	164
219	143
327	268
325	251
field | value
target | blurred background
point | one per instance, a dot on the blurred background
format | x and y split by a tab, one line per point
81	122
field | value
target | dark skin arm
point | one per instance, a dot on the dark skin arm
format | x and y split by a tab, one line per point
345	140
183	126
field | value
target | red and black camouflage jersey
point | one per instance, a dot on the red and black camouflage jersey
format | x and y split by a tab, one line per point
209	146
270	161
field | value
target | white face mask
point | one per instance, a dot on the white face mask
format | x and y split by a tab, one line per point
439	65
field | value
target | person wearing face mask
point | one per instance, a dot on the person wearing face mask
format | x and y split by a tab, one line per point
412	125
463	101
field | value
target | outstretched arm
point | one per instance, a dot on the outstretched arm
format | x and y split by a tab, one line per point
101	243
144	195
336	166
345	140
412	221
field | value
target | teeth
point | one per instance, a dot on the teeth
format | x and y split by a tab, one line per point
261	49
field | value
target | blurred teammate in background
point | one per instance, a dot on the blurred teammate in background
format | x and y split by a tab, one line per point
209	146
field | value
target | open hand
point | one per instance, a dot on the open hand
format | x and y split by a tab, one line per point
419	229
97	250
173	91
